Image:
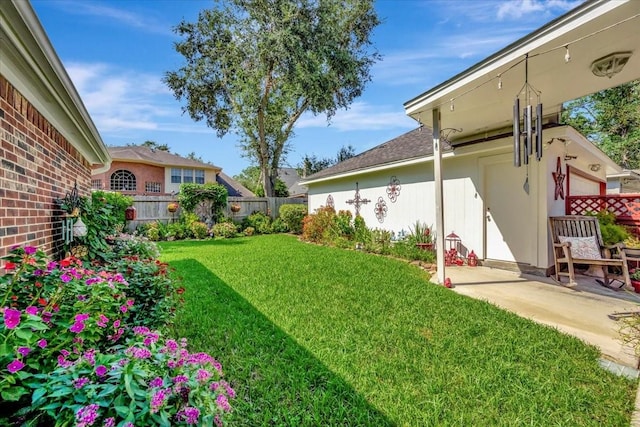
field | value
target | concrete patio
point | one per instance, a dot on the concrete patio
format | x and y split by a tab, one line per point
582	311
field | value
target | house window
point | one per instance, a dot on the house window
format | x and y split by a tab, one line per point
199	176
96	184
153	187
187	175
123	180
176	176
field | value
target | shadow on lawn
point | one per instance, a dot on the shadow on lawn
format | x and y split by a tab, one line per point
277	381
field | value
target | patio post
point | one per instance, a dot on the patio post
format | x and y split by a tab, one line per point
437	178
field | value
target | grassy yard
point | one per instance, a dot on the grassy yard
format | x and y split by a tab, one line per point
317	336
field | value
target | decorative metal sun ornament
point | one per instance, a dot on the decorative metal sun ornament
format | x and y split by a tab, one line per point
393	189
357	201
330	203
381	209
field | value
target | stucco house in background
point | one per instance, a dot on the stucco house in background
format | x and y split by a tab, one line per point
140	170
48	142
627	181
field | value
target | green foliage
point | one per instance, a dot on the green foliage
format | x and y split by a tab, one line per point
225	230
212	196
199	230
610	118
420	233
279	226
63	352
249	231
260	221
292	215
280	188
103	215
304	57
250	178
316	226
362	233
612	233
312	164
132	245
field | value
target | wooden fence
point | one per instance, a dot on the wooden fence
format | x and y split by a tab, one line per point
154	208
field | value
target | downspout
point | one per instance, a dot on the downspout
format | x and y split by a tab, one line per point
437	172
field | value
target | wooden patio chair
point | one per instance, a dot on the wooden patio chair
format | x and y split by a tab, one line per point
577	240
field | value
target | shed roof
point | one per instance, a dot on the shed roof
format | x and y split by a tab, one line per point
415	144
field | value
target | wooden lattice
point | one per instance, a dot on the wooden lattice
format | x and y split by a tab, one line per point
626	207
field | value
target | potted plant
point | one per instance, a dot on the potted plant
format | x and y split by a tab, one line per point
634	274
172	207
235	208
420	234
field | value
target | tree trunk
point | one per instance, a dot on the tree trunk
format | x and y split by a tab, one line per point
267	184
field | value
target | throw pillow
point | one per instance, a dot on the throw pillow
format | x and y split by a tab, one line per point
583	247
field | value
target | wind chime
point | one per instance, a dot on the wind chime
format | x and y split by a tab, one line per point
525	134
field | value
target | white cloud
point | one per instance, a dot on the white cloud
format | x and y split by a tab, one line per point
516	9
361	116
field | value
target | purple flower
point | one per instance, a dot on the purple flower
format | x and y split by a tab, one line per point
30	250
31	310
66	278
24	350
158	399
11	318
139	353
51	265
81	297
156	382
102	321
15	366
203	375
80	382
81	317
109	422
42	343
101	370
180	379
77	327
123	308
223	403
188	414
87	415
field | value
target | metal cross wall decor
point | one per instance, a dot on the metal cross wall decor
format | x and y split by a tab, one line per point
393	189
357	201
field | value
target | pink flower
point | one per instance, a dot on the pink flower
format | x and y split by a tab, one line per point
15	366
223	403
66	278
80	382
24	350
158	399
29	250
180	379
87	415
102	321
156	382
116	324
31	310
81	317
11	318
130	302
42	343
77	327
123	308
203	375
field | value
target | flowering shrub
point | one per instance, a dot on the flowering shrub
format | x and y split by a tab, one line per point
150	381
199	230
62	355
224	229
132	245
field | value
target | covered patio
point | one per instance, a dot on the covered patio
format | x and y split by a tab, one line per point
591	48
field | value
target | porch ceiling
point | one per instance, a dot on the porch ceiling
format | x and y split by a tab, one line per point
591	31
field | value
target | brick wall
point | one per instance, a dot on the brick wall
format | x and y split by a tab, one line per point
38	165
144	174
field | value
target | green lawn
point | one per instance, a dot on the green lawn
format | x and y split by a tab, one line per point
317	336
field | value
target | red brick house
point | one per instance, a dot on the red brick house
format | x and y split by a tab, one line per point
140	170
48	142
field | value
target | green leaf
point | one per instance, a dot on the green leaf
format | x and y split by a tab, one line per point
127	386
14	394
122	411
37	395
24	334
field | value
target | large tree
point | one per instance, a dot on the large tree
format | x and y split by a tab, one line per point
311	163
254	67
611	119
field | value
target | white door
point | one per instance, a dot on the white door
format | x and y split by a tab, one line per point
508	211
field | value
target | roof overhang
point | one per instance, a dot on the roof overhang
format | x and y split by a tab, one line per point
592	31
31	65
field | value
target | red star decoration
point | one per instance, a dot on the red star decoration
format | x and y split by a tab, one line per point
558	177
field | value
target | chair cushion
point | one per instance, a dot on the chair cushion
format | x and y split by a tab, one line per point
583	247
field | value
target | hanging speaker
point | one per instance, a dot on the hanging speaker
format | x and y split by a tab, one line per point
539	132
516	133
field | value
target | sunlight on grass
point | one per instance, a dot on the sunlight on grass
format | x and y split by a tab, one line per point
310	335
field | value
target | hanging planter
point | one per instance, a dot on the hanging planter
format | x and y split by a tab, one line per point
172	207
235	208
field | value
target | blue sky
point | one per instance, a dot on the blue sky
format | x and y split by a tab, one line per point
117	51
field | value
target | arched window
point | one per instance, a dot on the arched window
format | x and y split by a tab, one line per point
122	180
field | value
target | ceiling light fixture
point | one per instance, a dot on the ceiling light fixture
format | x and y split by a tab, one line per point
610	65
